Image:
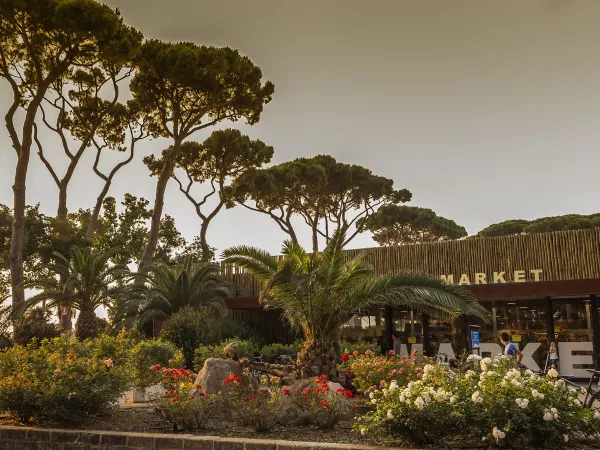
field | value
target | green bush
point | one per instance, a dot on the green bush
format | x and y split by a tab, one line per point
151	353
35	325
189	328
360	346
246	349
63	380
232	329
272	353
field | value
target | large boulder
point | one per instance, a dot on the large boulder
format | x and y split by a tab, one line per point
214	371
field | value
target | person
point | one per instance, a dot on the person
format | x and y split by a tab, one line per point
510	349
397	345
552	355
381	345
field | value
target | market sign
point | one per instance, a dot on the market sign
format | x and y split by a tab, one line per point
516	276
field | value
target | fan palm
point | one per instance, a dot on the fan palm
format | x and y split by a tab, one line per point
320	292
167	289
82	282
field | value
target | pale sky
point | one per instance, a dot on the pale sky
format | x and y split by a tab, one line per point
484	110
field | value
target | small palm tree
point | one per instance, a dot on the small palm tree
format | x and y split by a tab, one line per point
168	289
82	282
320	292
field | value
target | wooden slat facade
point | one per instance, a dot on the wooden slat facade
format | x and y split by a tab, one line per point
562	256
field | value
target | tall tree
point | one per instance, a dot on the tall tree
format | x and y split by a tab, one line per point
222	157
401	224
183	88
41	41
329	196
542	225
319	293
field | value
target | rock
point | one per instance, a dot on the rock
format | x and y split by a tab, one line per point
214	371
231	350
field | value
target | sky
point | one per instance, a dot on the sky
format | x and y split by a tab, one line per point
484	110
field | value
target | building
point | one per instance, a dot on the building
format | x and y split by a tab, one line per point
535	286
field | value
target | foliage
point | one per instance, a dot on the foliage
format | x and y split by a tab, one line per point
246	349
35	325
542	225
169	289
360	346
184	403
232	329
84	282
320	292
493	402
272	353
316	404
329	196
150	353
370	371
250	406
223	156
401	224
63	380
188	329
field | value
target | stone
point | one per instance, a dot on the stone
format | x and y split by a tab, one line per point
231	351
213	373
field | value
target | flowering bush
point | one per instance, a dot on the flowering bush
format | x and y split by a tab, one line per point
150	353
361	347
369	371
316	404
490	401
250	406
246	349
64	380
183	403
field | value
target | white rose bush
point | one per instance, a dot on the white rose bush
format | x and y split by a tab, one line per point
487	400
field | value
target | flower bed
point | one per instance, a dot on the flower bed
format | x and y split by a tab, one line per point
369	371
488	400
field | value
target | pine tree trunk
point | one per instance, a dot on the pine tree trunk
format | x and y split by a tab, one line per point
317	358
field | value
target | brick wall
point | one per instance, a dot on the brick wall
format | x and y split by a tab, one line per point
27	438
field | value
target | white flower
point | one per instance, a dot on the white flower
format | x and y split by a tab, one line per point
419	403
554	412
473	357
490	373
363	430
426	397
576	402
548	416
484	363
374	401
515	382
498	434
522	402
469	374
552	373
528	372
452	400
410	385
504	383
428	368
560	384
393	385
566	437
372	395
476	397
536	394
596	414
389	414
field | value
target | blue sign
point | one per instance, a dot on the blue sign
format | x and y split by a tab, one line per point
475	338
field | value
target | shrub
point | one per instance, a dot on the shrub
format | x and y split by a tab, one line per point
64	380
246	349
360	346
184	403
35	325
368	371
272	353
232	329
493	402
150	353
188	329
317	405
257	408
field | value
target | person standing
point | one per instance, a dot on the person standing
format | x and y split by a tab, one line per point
397	345
510	349
552	356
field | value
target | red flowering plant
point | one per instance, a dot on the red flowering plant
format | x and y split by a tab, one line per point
183	403
250	406
318	404
369	371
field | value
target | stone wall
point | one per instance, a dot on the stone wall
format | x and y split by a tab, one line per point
28	438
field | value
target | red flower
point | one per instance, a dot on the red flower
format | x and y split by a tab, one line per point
155	367
318	391
346	372
174	399
345	357
391	352
355	408
198	386
324	403
250	398
286	392
232	379
307	391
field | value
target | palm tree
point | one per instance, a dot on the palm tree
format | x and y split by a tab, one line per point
168	289
318	293
82	282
